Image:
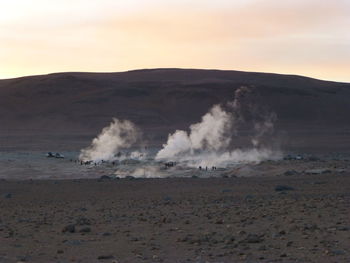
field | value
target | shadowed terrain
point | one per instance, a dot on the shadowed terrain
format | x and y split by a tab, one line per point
66	110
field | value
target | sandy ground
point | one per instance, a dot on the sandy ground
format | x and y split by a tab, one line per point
244	219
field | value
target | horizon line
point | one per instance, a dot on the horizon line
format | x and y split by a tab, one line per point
172	68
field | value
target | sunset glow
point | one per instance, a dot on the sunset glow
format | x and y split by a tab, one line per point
310	38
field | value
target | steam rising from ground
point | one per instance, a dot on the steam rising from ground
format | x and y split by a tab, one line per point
119	135
211	141
215	141
144	171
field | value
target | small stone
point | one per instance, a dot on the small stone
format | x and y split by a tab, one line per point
102	257
282	232
73	242
81	221
342	228
219	222
280	188
290	173
85	230
8	195
253	238
262	248
241	233
23	258
338	252
69	228
289	243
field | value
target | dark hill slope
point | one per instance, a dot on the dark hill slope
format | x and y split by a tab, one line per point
160	100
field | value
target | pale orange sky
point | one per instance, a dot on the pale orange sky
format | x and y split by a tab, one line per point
309	37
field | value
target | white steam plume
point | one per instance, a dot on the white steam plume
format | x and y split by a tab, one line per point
209	142
120	134
208	134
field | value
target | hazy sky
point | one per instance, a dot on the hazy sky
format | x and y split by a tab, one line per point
305	37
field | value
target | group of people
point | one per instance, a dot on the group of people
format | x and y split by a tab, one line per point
91	162
206	168
170	164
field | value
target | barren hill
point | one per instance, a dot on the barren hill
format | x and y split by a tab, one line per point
161	100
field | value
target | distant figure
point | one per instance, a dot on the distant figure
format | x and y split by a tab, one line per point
206	168
200	167
169	164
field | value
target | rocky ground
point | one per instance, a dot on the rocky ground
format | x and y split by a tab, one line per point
288	218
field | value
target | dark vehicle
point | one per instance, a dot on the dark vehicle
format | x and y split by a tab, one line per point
56	155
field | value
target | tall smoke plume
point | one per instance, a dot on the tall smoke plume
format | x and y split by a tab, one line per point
211	142
119	135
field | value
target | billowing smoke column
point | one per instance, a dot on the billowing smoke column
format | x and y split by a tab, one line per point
106	146
211	141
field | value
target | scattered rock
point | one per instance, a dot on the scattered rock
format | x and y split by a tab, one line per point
289	243
73	242
23	258
319	182
219	221
105	257
262	248
249	197
8	195
69	228
85	230
81	221
290	173
253	238
280	188
167	198
337	252
241	233
342	228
